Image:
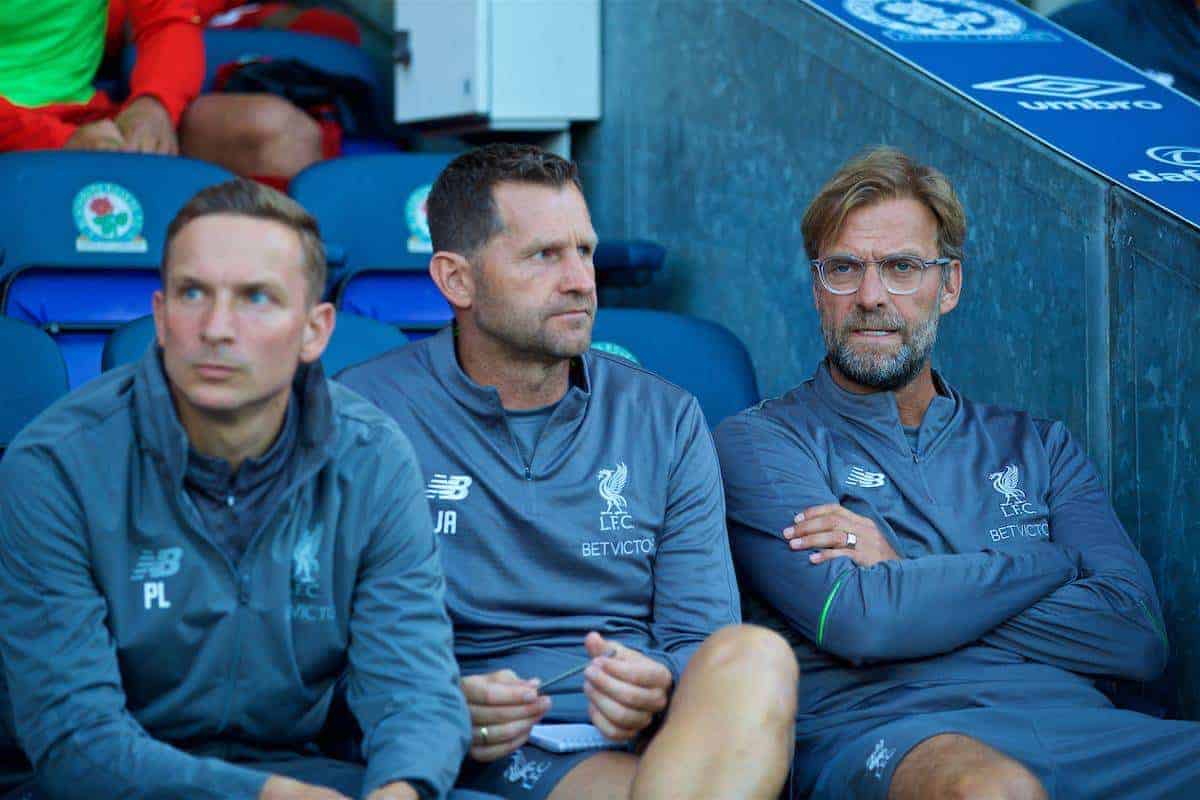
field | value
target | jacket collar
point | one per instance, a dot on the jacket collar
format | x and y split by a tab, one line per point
879	413
484	401
160	433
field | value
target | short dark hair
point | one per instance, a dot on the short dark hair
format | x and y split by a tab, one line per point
462	209
884	173
252	199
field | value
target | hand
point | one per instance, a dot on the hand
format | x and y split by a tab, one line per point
278	787
826	528
394	791
147	127
102	135
504	710
624	690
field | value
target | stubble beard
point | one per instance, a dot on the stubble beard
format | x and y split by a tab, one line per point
885	371
529	336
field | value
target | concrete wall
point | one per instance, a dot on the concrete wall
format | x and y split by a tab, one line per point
1081	303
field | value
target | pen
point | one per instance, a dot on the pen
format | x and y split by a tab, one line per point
562	676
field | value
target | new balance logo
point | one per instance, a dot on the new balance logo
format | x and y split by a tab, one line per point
448	487
151	567
867	480
157	564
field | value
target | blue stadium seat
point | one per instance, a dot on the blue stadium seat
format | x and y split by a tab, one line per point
372	215
34	376
355	339
700	356
81	238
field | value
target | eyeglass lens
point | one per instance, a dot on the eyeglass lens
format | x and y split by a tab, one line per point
898	273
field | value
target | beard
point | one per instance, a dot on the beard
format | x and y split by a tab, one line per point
879	369
528	333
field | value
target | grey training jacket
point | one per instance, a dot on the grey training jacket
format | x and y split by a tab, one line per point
139	657
616	524
1015	584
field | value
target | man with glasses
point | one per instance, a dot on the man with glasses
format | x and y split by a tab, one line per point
952	575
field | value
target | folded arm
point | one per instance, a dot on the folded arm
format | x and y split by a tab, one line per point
60	661
1107	621
899	609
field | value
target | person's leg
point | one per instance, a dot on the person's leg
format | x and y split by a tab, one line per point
953	766
608	775
250	134
728	733
729	729
1108	752
967	753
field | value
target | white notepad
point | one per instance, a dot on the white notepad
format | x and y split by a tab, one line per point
569	738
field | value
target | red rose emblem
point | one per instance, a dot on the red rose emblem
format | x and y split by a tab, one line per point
101	206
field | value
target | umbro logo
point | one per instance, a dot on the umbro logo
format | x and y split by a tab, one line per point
867	480
1061	86
1066	93
448	487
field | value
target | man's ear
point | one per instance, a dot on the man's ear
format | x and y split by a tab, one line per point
816	288
952	288
317	329
454	277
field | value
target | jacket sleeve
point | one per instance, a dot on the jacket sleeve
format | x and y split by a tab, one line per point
170	53
901	609
1107	621
403	679
60	662
31	129
695	591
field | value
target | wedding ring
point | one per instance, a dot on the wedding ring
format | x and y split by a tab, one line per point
483	737
851	541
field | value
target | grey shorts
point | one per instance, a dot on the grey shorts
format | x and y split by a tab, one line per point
528	773
1076	753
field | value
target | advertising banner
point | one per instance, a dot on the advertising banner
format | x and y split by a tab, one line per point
1063	91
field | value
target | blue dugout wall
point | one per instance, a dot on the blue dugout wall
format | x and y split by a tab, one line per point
1081	299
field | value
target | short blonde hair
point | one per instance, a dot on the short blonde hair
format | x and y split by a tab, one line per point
252	199
875	175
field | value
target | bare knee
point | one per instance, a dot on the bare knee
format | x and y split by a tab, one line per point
252	134
957	767
1006	780
748	648
752	662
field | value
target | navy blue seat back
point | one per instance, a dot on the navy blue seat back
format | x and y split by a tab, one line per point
82	237
372	215
355	339
34	376
700	356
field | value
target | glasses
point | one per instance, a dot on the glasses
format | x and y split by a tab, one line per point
900	274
